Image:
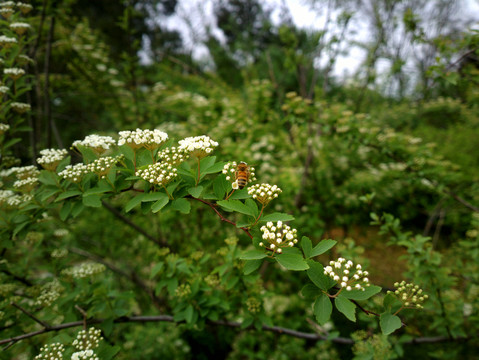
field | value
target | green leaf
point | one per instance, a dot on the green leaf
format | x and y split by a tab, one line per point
253	255
134	202
253	206
316	275
220	187
391	303
189	312
78	207
240	194
65	210
277	217
214	168
206	163
389	323
48	178
236	205
361	295
251	266
48	193
307	246
153	196
322	308
67	194
322	247
92	200
346	307
195	191
181	205
160	204
292	262
310	291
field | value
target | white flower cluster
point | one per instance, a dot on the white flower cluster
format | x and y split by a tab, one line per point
25	172
4	89
50	292
27	184
60	232
7	4
4	128
347	275
87	340
7	41
51	158
150	139
74	173
19	27
14	73
230	170
198	146
84	270
6	12
84	355
24	8
409	294
51	352
10	199
278	236
97	143
59	253
20	107
173	155
264	193
159	173
102	166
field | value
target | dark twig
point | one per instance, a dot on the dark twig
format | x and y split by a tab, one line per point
213	206
131	224
169	318
132	276
85	315
30	315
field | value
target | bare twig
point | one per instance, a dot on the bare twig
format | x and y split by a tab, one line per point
30	315
132	276
85	315
213	206
131	224
233	324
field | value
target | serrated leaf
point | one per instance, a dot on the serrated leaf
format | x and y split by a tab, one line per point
277	217
133	202
181	205
389	323
220	187
195	191
322	308
153	196
214	168
160	204
253	206
240	194
92	200
251	266
322	247
307	246
362	295
189	312
67	194
310	291
292	262
236	205
253	255
316	275
65	210
346	307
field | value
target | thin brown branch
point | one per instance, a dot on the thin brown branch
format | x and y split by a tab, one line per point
132	275
131	224
85	315
30	315
213	206
233	324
